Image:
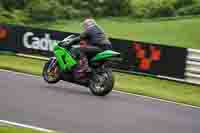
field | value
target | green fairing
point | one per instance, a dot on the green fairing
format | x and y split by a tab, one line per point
65	60
104	55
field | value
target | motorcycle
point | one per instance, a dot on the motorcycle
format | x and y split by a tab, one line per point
99	79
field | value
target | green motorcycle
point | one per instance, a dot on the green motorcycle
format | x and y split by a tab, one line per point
99	79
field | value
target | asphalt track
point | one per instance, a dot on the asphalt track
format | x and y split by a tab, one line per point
72	109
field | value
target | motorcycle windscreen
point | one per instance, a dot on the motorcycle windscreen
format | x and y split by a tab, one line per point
65	60
105	55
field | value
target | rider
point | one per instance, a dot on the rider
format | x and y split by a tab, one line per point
93	35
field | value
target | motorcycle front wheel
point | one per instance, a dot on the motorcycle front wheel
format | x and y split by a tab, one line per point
51	72
102	83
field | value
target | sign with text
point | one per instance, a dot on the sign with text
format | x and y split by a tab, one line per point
136	56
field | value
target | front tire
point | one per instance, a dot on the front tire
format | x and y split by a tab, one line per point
55	77
102	84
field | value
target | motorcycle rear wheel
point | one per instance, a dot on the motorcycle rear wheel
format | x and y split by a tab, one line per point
102	84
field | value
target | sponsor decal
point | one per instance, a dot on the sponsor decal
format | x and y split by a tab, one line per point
146	56
44	43
3	32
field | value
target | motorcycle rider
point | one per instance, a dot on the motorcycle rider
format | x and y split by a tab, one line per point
94	34
96	41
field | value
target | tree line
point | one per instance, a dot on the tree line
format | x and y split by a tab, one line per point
68	9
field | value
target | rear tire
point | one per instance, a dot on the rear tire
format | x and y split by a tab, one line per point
45	74
103	88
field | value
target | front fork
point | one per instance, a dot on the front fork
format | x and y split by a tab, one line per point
52	64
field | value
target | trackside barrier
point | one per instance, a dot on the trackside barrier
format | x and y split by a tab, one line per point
143	58
192	70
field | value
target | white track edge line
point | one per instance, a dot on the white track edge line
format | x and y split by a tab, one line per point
157	99
122	92
25	126
21	73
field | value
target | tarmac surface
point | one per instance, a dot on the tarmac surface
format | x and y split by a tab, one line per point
71	108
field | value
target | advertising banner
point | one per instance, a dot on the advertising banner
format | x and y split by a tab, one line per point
136	56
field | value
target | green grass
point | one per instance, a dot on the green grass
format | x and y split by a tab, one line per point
21	64
164	89
158	88
181	32
10	129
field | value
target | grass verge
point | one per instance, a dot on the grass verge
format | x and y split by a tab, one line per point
164	89
12	129
181	32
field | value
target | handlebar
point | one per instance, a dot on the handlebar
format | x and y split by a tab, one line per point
66	42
